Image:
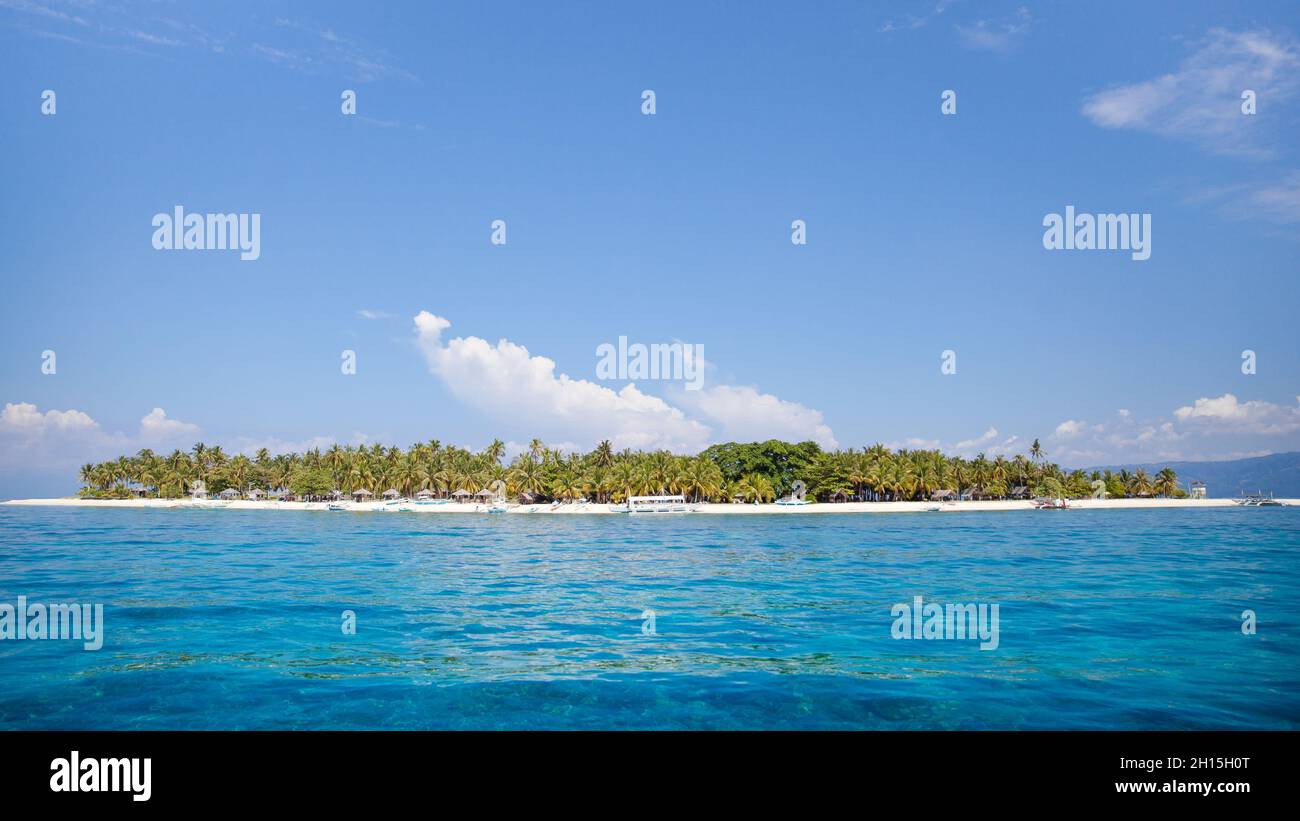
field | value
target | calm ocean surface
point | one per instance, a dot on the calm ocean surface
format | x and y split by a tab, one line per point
231	620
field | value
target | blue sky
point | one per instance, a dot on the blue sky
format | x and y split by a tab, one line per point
924	231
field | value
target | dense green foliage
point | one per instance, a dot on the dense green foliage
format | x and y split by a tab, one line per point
756	471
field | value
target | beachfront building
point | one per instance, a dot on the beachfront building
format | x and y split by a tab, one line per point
943	496
361	494
1197	490
229	494
255	494
424	495
392	493
461	494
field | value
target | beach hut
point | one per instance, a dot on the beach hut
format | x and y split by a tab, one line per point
943	496
361	494
1198	489
334	495
1019	492
392	493
255	494
839	496
424	494
461	494
484	494
229	493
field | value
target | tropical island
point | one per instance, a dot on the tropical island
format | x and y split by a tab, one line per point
732	472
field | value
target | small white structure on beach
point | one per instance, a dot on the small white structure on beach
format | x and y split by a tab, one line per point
1197	490
198	489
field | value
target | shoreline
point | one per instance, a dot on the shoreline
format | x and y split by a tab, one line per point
603	509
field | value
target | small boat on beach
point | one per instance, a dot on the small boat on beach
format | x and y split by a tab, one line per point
653	504
1258	499
336	507
1051	504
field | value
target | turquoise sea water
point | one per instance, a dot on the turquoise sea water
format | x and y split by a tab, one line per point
232	620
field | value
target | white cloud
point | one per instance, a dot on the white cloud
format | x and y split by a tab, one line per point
508	382
156	427
25	418
370	313
910	22
998	35
990	443
1228	414
57	439
249	446
980	441
513	385
1201	100
746	415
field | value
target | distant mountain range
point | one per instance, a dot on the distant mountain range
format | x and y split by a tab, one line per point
1278	473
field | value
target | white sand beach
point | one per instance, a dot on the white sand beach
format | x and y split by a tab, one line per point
590	508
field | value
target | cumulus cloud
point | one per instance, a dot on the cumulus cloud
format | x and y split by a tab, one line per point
25	418
509	383
744	414
156	427
1229	414
56	439
1201	100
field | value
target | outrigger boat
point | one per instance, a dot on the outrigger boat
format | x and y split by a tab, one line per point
1051	504
336	507
653	504
1257	499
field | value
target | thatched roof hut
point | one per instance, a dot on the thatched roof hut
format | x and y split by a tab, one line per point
424	494
460	494
229	493
392	493
362	493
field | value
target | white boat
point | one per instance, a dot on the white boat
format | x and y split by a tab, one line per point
1258	500
793	502
497	509
1051	504
653	504
336	507
433	502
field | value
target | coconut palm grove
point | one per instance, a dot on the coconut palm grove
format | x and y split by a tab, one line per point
731	472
